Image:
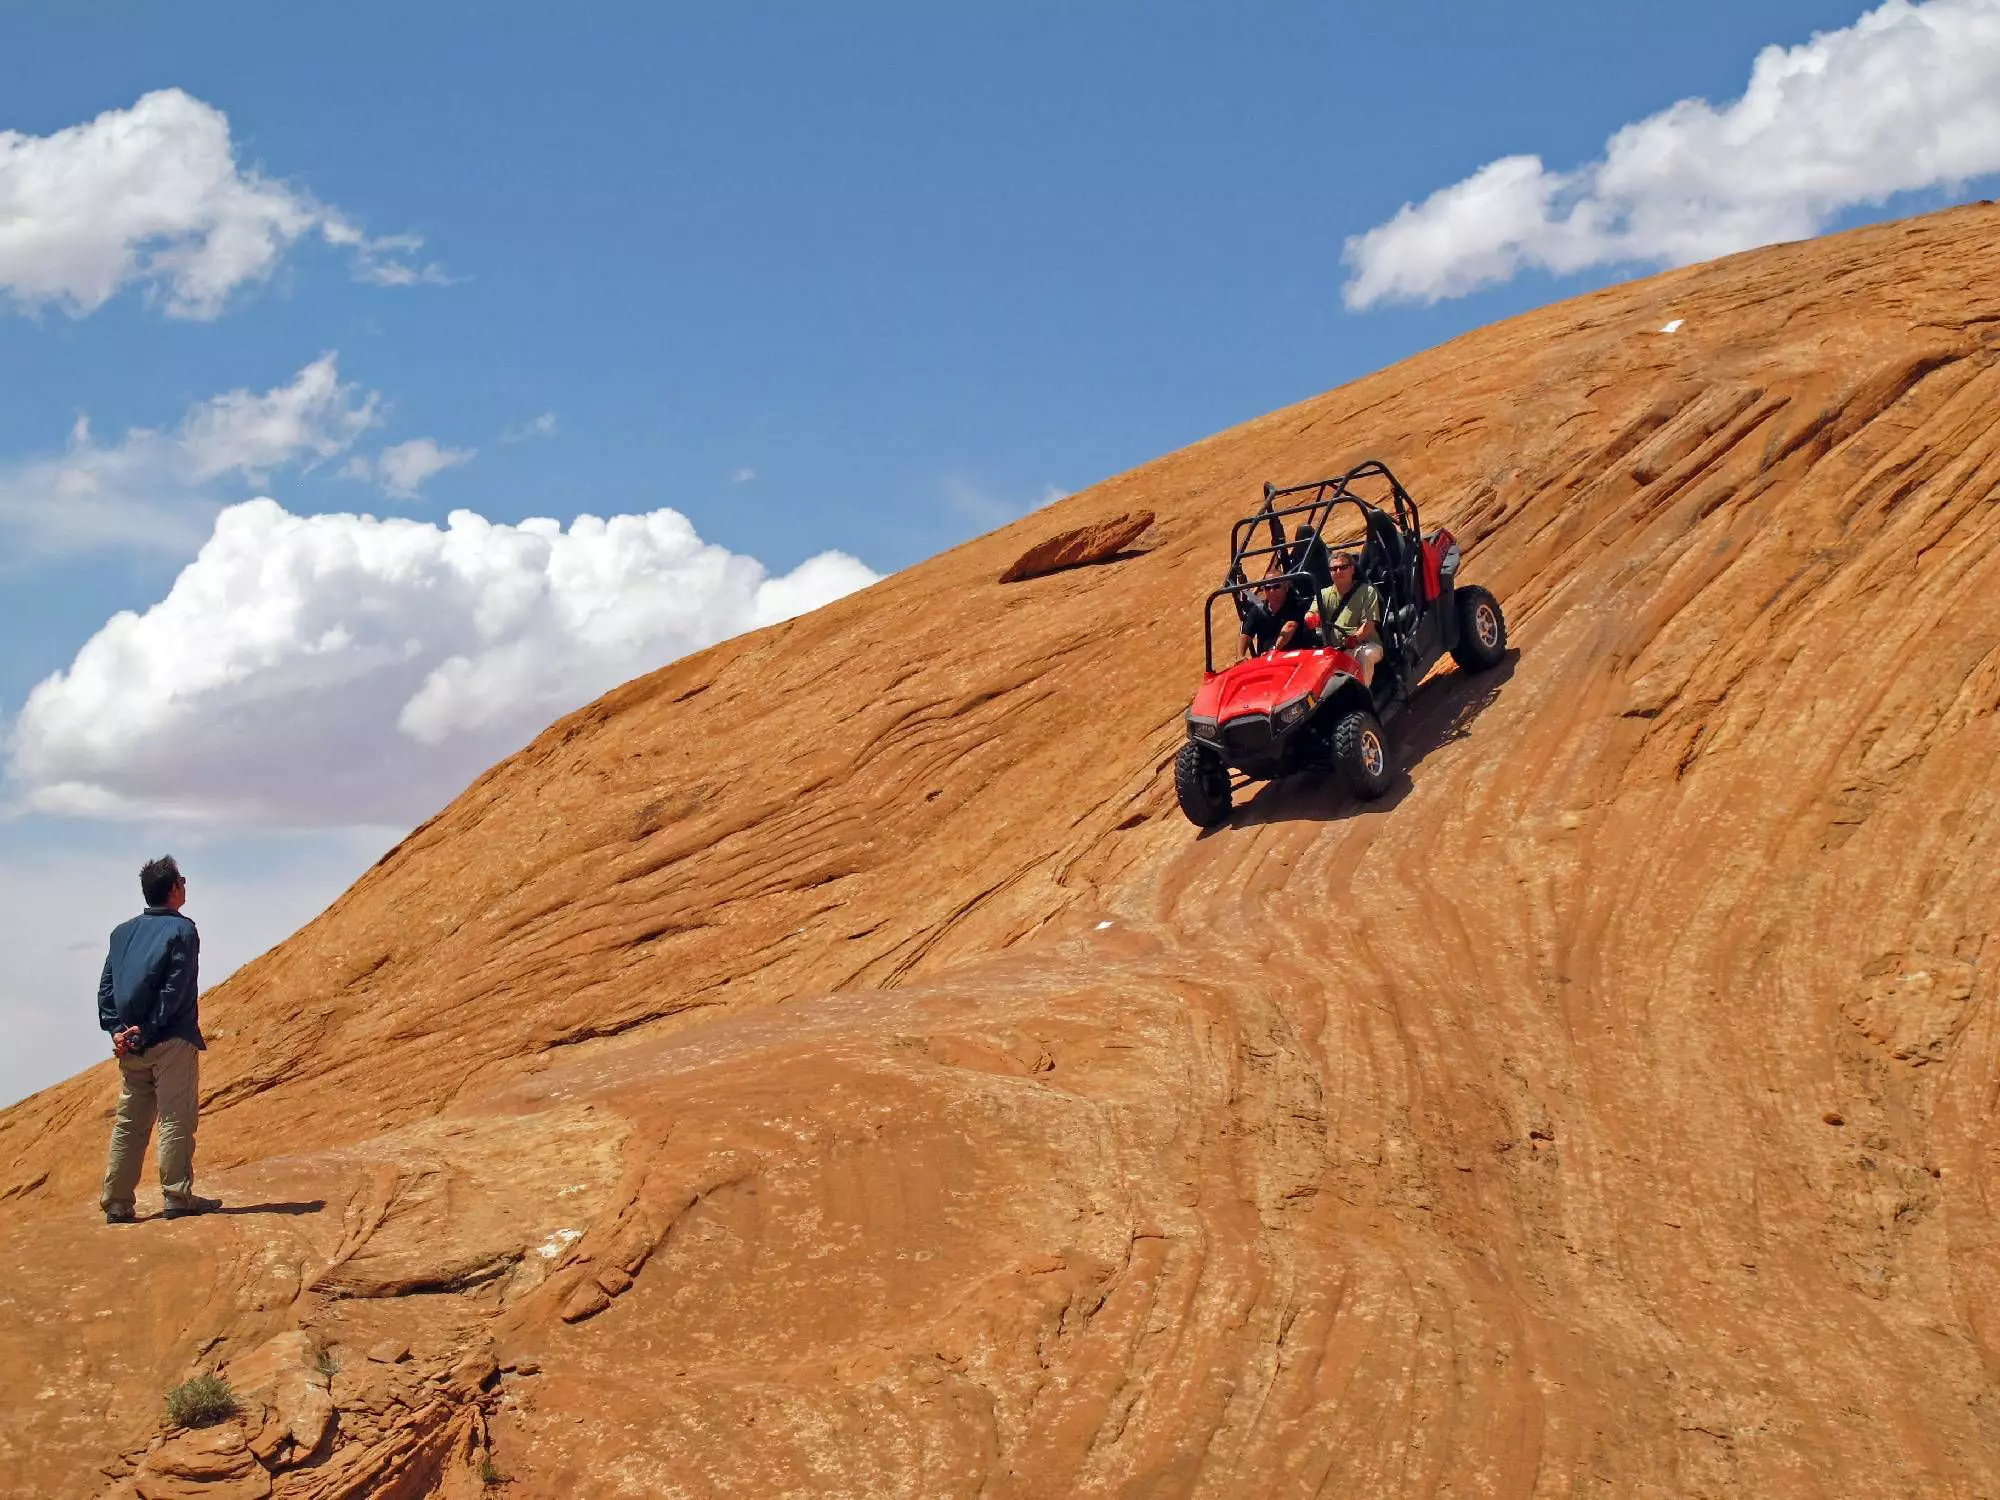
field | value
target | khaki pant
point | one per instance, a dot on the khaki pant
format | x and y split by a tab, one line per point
1369	655
163	1082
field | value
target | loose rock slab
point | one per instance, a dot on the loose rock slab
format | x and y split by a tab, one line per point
1074	549
284	1375
213	1464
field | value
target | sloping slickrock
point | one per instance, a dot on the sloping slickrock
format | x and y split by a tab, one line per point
1608	1110
1081	546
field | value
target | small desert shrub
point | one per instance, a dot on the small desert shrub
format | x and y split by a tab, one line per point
201	1402
489	1472
326	1364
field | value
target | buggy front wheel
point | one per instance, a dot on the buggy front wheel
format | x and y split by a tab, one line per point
1361	754
1202	784
1482	629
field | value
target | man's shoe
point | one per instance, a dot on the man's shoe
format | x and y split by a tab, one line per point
120	1216
182	1208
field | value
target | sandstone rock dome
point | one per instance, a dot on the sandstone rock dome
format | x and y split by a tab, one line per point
830	1066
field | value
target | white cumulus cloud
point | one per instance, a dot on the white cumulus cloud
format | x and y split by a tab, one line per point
314	417
1906	98
153	195
543	426
343	670
402	468
152	488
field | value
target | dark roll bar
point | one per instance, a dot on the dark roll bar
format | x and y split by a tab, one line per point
1324	496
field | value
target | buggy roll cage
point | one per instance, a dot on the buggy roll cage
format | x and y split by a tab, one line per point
1322	496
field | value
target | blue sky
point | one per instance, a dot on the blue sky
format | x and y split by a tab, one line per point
866	280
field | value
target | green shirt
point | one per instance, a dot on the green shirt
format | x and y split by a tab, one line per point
1344	616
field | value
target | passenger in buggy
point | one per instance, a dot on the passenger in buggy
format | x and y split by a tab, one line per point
1350	613
1274	617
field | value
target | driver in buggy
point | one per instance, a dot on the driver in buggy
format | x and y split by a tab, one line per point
1350	613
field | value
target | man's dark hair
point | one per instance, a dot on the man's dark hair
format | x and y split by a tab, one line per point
157	879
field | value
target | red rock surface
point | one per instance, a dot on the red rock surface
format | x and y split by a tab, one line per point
832	1066
1098	542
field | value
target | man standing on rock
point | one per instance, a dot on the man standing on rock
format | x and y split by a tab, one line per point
146	1001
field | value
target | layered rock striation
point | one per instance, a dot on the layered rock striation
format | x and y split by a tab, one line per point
830	1065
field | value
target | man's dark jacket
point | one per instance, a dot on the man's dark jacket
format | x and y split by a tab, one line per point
150	978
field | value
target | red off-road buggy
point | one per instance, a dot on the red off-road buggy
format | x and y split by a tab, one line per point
1304	708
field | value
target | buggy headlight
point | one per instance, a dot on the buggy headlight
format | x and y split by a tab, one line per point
1204	729
1289	714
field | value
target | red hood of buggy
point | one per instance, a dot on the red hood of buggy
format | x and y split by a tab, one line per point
1262	683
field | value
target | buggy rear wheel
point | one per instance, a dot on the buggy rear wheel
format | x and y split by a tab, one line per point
1202	784
1482	629
1361	754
